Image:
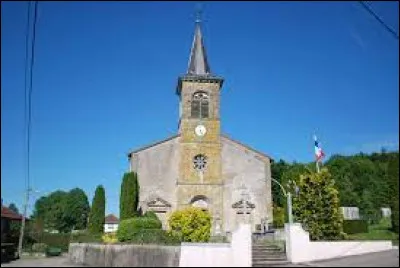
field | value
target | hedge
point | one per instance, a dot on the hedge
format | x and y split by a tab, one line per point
355	226
132	229
149	236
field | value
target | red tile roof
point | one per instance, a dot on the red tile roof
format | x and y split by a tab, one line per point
111	219
9	214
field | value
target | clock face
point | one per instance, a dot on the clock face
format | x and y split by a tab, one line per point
200	130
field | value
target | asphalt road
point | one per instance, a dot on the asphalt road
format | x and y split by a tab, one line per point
381	259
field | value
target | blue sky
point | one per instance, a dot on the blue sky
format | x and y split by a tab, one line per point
105	76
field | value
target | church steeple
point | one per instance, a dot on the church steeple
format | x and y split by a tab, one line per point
198	67
198	63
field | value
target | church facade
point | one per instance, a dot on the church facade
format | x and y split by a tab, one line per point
200	166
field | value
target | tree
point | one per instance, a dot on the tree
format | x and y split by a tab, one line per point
97	213
316	206
14	208
277	171
129	197
76	209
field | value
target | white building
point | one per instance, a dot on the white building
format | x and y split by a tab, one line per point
350	213
111	224
386	212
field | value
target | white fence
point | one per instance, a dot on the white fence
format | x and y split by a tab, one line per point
236	254
299	248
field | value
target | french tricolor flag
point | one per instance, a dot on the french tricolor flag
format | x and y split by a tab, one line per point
319	154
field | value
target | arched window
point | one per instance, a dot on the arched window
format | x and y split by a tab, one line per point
200	105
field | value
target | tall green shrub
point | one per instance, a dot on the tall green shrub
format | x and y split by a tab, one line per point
317	206
129	197
97	213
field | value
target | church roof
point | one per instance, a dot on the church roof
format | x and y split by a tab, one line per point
246	146
222	135
152	145
198	63
198	66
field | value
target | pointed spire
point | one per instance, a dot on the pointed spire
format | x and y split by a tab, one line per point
198	64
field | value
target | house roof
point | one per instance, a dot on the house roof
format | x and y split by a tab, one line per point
9	214
111	219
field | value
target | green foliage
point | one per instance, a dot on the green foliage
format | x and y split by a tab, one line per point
317	206
279	217
39	247
62	210
277	170
97	213
144	230
14	208
190	224
130	229
129	197
149	236
60	240
76	209
85	237
364	181
150	214
393	175
355	226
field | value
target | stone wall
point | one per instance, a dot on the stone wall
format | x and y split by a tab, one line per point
242	167
124	255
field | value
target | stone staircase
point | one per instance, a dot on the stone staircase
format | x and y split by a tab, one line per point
266	254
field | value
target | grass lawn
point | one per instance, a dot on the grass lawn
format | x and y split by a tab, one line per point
379	231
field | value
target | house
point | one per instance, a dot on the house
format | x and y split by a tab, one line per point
111	223
9	241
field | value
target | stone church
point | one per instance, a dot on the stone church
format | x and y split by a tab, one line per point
199	166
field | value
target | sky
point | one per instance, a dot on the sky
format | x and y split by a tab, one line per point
105	75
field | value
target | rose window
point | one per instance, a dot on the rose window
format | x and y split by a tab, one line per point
200	162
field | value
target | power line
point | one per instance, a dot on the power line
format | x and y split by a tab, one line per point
387	27
29	111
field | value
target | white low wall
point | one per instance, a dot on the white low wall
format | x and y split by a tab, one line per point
236	254
299	248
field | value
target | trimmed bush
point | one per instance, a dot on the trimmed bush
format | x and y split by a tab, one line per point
60	240
190	225
150	214
85	237
130	229
355	226
109	238
150	236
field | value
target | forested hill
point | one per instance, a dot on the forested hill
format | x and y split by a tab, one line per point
367	181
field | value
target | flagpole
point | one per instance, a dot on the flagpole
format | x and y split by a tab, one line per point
317	166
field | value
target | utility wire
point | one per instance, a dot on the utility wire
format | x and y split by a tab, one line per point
387	27
28	100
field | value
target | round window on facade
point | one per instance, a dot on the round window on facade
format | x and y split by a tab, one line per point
200	162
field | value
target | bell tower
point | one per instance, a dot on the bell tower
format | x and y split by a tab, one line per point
200	180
